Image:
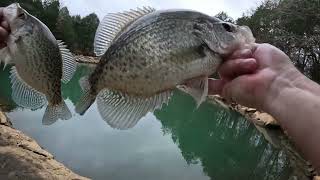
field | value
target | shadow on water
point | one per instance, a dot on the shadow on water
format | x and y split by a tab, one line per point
221	143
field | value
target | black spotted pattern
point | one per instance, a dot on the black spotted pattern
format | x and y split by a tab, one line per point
154	54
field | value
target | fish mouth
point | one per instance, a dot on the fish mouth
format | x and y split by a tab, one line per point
247	35
244	38
11	11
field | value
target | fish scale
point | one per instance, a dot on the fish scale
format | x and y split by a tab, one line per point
145	54
40	62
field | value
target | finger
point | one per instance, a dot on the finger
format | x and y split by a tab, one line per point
1	12
5	25
237	90
244	52
3	34
2	45
215	86
237	67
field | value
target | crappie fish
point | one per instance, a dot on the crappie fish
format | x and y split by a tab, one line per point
40	64
146	54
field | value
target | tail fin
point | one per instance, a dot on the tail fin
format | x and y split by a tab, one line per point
87	99
55	112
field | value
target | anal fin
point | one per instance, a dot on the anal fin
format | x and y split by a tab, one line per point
87	98
197	88
122	111
23	94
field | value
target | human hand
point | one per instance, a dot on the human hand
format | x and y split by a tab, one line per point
4	30
254	76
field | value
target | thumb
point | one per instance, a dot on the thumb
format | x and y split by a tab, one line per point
215	86
1	12
240	90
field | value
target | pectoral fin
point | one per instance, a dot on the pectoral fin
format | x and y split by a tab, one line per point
197	88
23	94
87	99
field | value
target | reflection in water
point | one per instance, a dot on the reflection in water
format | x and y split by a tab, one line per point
227	145
6	103
172	145
72	90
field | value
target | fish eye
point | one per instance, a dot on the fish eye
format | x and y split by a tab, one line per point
227	27
22	15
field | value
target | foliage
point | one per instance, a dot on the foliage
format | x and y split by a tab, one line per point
224	17
294	27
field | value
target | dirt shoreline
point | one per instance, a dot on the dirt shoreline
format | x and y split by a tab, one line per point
255	116
22	158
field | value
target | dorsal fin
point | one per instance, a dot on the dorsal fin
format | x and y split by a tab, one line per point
69	65
112	24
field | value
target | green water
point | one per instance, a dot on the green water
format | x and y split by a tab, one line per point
177	142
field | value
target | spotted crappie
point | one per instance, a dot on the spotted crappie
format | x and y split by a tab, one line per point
40	63
146	54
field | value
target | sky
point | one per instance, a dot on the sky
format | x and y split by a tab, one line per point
234	8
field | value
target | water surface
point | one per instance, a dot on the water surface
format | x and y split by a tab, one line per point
176	142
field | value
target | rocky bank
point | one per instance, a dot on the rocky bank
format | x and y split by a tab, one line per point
22	158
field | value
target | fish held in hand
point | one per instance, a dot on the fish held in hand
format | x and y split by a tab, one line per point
40	62
146	54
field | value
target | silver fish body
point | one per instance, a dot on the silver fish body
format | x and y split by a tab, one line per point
40	63
154	53
42	70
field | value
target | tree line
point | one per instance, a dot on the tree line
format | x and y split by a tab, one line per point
294	27
291	25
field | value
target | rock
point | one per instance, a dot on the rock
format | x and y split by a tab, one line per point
22	158
4	120
253	115
267	119
87	59
217	100
17	163
250	110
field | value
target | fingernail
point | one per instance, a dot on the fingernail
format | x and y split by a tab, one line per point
246	53
248	61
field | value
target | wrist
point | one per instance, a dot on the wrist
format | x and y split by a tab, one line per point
282	85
